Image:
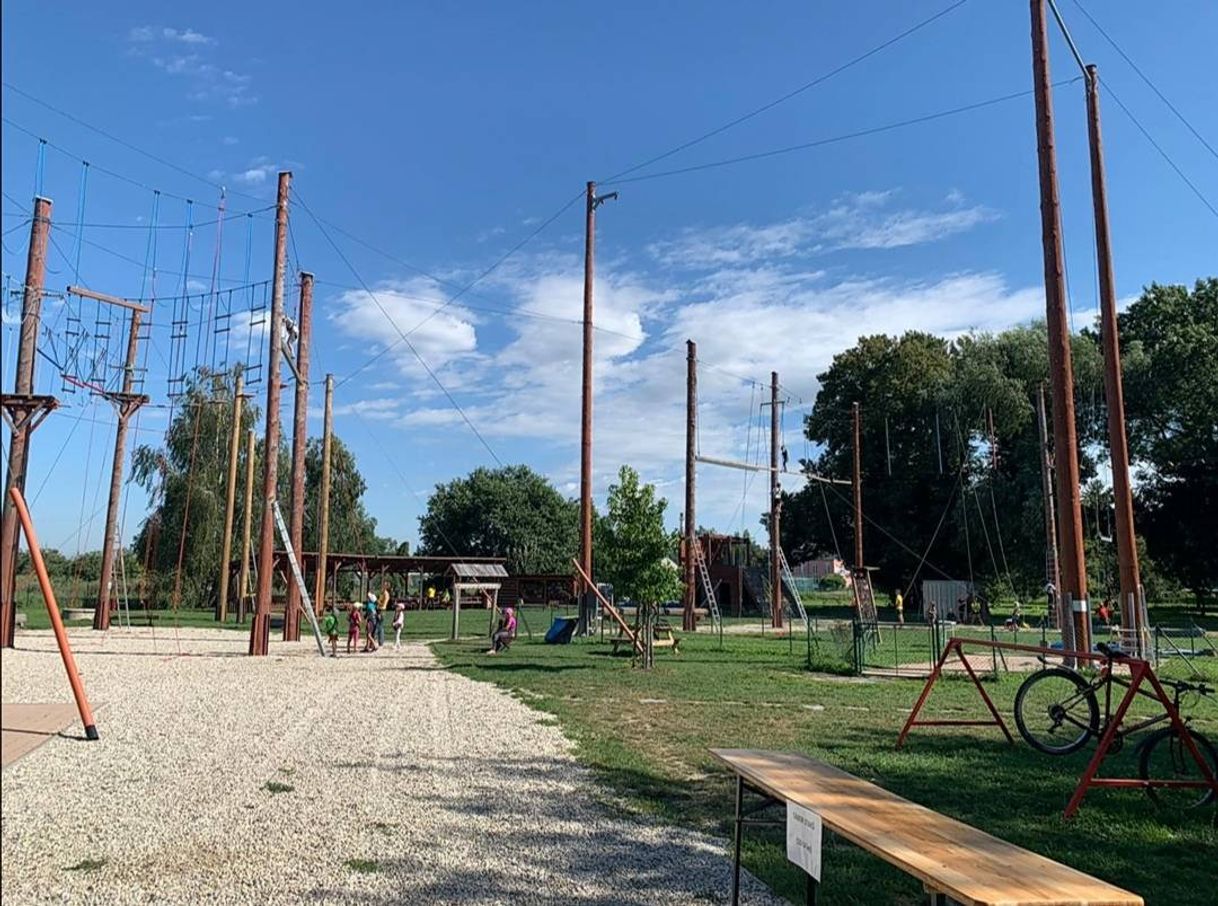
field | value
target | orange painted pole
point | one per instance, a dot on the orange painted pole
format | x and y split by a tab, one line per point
48	594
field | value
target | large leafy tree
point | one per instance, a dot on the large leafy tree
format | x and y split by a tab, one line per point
510	512
930	484
352	530
633	546
187	475
1170	352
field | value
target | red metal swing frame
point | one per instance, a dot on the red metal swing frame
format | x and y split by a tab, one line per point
1140	671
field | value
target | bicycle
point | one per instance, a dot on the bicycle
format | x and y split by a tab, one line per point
1057	711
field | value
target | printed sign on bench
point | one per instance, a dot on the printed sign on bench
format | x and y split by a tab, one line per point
803	838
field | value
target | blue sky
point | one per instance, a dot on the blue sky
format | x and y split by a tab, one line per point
444	134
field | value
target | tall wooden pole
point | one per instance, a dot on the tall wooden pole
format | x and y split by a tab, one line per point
585	437
323	527
19	440
1052	573
775	510
688	623
1061	374
856	484
247	522
127	403
230	499
260	627
1110	340
300	436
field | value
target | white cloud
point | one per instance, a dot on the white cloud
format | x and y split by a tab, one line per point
189	55
753	304
442	333
230	140
256	175
144	34
861	220
381	409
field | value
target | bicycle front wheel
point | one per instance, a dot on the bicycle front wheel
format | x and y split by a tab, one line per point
1056	711
1164	756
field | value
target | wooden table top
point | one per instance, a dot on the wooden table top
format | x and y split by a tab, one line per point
948	856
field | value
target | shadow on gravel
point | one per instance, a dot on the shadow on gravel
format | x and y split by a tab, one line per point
530	830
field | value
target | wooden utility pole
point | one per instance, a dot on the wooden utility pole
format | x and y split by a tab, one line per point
260	627
127	403
1052	575
24	412
775	510
592	202
230	499
856	484
323	503
688	622
1061	376
243	578
300	436
1118	444
585	435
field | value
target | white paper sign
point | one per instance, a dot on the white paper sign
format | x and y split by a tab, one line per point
803	838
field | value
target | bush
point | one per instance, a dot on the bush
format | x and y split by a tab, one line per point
832	582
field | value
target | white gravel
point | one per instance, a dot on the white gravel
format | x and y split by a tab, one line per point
451	790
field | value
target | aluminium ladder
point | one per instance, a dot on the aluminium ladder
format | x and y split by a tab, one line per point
708	588
300	582
788	580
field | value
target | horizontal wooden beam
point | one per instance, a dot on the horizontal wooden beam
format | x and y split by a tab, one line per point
752	467
85	293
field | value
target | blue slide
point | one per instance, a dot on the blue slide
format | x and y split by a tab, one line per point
561	630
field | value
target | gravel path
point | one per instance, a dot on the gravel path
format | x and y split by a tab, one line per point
441	790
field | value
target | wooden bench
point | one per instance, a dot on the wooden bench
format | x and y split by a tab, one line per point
662	636
954	862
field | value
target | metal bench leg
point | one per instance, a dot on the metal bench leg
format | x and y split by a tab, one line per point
739	836
935	898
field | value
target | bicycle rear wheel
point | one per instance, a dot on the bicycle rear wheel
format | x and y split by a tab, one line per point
1056	711
1164	756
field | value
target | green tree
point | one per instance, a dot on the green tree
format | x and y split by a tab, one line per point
187	475
510	512
634	548
927	467
1169	342
352	530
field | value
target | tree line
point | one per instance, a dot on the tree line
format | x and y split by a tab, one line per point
186	477
951	457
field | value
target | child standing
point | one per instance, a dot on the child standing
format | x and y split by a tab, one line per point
399	620
352	628
329	625
370	618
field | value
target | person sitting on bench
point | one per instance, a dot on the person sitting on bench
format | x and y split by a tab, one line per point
505	632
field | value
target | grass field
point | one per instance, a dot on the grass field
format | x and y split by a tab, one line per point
647	734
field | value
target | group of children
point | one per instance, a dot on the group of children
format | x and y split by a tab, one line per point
370	618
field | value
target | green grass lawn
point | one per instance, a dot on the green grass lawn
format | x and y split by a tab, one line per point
647	733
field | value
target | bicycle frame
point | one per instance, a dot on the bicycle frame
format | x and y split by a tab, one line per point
1140	672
